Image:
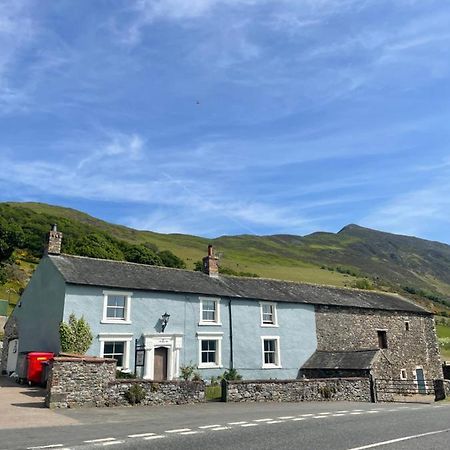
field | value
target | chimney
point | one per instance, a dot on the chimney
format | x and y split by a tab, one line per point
210	266
54	240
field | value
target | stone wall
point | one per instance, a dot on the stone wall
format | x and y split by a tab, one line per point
348	389
86	382
447	388
346	329
11	332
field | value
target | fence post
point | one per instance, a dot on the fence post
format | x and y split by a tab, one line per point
224	384
373	389
439	391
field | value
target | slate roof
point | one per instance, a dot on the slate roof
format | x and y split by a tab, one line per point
356	360
124	275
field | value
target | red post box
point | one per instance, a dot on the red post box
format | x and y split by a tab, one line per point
35	368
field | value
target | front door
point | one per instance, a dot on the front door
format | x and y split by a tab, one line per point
160	364
421	386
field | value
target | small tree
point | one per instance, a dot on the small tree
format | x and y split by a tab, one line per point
75	336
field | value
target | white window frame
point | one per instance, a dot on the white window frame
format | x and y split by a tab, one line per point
210	336
277	364
403	374
127	319
126	338
274	315
215	322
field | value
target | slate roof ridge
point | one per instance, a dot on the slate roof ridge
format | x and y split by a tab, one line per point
123	262
349	351
76	269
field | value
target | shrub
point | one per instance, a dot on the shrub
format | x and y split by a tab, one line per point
124	375
187	371
196	376
135	394
363	283
231	375
75	336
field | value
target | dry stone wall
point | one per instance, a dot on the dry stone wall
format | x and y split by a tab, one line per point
11	331
325	389
89	382
411	338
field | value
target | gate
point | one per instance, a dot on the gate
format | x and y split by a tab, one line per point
388	390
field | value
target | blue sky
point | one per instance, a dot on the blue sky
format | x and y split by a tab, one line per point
215	117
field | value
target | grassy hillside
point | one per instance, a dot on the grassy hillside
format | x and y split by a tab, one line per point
355	256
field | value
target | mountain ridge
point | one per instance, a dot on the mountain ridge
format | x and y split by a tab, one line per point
355	256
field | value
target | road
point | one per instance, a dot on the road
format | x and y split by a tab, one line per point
308	426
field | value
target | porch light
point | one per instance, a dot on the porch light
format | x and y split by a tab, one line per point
164	320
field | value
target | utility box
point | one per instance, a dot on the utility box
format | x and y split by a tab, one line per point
35	366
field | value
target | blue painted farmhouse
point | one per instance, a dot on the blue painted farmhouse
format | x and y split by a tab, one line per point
263	328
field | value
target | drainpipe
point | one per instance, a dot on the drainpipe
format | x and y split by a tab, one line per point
230	318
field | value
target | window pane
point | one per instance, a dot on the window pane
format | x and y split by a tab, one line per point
208	353
209	310
116	300
109	347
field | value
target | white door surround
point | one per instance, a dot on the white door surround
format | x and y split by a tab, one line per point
173	343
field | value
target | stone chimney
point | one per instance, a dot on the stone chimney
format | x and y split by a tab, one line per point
54	240
210	266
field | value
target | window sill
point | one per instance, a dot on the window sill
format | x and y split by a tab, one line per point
271	366
269	325
122	322
212	324
209	366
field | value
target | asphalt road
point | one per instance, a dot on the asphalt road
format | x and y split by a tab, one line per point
308	426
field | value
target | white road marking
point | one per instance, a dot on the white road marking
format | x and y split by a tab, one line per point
236	423
346	411
306	415
153	437
355	413
46	446
373	412
178	430
105	444
203	427
93	441
249	425
220	428
320	417
324	414
262	420
286	417
358	410
192	432
140	435
298	419
275	421
406	438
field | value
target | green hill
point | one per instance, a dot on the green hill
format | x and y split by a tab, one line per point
355	256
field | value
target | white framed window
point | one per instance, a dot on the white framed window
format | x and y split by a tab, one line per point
209	311
268	314
209	350
271	352
116	307
403	374
116	346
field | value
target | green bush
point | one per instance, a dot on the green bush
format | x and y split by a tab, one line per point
125	375
231	375
363	283
135	395
75	336
187	372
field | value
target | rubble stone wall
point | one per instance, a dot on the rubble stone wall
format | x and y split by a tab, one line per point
324	389
411	339
89	382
